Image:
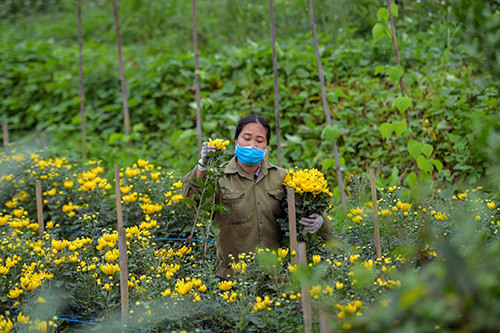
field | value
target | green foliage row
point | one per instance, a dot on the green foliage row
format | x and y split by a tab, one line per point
452	105
166	25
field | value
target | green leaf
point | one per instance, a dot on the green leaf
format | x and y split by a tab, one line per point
412	179
414	148
402	103
336	192
340	93
364	276
424	164
383	14
394	9
330	132
76	120
400	127
294	139
332	96
427	149
426	177
378	69
395	73
437	164
394	176
113	137
378	32
386	130
327	163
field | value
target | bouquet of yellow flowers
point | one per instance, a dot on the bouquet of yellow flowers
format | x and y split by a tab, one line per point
312	195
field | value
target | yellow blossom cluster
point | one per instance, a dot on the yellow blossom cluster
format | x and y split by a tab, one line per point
220	144
5	324
307	181
262	303
348	309
226	285
356	214
89	180
240	266
229	296
70	209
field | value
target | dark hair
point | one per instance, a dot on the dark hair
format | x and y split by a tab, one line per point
253	118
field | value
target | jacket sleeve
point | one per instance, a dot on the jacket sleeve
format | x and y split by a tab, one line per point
189	189
326	230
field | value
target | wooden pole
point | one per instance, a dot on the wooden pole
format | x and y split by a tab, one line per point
305	290
82	93
292	224
197	76
325	106
5	134
122	250
126	117
324	323
375	213
276	87
39	208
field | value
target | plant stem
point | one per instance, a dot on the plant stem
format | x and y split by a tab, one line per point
401	80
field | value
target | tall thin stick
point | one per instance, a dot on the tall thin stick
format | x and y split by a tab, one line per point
324	320
82	93
304	288
375	213
292	224
122	250
39	208
5	134
197	76
325	106
276	87
126	117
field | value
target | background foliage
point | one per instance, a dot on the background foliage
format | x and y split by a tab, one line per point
455	103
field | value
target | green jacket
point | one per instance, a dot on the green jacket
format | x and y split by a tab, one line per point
254	206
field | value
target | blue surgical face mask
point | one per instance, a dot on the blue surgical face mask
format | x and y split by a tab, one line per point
250	155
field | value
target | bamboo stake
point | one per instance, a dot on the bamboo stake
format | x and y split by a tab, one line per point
324	324
122	248
375	213
39	208
5	134
197	76
304	287
292	224
276	87
82	93
126	116
325	106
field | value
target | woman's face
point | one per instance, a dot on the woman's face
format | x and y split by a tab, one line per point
252	134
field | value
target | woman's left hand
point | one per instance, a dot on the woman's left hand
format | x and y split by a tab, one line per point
312	223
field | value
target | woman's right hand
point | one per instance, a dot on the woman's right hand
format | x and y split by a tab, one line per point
206	150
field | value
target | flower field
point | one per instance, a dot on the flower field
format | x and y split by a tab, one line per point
69	278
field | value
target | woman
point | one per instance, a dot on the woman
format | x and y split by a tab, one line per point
252	191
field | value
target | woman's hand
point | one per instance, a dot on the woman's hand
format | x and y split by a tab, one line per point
205	151
312	223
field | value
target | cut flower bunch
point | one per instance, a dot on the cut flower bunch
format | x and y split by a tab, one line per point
312	195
